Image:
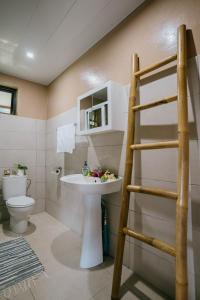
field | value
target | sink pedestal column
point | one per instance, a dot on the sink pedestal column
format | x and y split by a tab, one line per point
92	252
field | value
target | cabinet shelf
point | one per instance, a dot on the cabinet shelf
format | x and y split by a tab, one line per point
101	109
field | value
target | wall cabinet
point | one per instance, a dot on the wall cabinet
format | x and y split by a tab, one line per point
101	109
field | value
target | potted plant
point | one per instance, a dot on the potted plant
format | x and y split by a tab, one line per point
21	170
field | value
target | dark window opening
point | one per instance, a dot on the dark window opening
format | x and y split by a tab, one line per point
8	100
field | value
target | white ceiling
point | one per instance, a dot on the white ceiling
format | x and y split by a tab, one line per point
57	31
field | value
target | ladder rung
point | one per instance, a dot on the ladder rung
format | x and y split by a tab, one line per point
160	145
156	65
155	103
152	191
151	241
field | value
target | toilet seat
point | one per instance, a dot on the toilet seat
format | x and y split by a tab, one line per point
20	201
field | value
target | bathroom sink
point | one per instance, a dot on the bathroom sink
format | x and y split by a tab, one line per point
91	189
91	185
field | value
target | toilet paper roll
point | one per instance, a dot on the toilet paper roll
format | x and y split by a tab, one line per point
57	171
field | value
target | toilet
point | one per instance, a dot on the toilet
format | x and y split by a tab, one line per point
19	205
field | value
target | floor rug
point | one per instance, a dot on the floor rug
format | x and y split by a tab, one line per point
19	266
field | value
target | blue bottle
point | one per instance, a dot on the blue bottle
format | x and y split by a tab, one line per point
105	231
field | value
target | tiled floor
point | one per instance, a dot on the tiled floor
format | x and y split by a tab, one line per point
59	250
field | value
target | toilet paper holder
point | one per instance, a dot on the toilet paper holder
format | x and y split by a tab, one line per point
57	171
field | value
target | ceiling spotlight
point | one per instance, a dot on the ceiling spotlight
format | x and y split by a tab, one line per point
30	54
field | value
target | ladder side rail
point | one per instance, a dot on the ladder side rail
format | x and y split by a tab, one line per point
183	170
126	181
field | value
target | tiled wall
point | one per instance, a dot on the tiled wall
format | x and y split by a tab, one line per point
99	150
61	203
22	140
154	216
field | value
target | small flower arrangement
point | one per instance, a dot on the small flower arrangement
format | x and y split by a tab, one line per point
108	176
21	169
103	175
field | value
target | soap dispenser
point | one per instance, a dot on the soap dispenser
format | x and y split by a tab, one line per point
85	169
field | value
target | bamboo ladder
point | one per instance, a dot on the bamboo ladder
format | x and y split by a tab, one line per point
179	251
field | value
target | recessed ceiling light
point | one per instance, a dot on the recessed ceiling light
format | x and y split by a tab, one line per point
30	54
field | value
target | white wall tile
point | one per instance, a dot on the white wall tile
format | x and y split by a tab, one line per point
193	76
51	141
40	174
31	172
15	123
76	160
39	206
40	141
160	164
67	117
113	216
105	157
152	205
107	139
10	157
41	190
153	268
41	126
194	287
54	159
194	213
155	227
17	140
31	192
40	158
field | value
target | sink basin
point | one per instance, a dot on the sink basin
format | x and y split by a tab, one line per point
91	189
91	185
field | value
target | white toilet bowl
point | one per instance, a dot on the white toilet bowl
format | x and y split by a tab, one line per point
19	209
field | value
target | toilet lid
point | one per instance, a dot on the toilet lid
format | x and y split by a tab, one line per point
21	201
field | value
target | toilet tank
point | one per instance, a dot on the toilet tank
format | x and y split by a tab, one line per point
13	186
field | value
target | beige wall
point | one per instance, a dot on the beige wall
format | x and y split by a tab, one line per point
150	31
31	97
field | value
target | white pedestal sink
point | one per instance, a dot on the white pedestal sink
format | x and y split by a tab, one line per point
91	189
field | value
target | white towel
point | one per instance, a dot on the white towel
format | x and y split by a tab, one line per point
66	138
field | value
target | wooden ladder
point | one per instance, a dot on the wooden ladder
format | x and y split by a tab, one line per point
179	251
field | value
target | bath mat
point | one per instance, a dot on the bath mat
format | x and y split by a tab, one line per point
19	267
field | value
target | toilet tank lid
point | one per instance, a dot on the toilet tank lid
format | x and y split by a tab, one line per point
13	177
20	201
